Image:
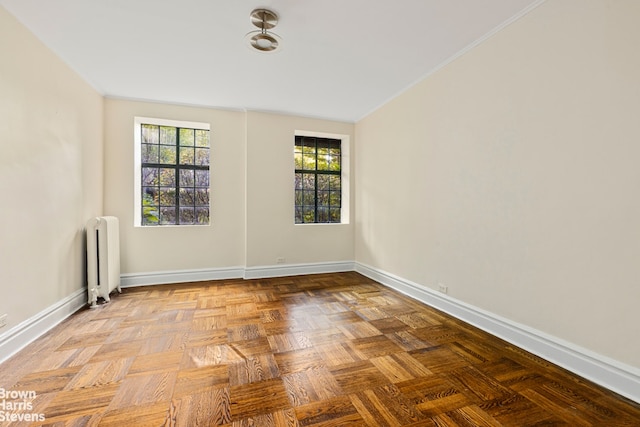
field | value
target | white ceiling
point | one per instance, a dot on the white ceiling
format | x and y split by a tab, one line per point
341	59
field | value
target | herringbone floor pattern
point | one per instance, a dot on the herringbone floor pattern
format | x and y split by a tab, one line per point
321	350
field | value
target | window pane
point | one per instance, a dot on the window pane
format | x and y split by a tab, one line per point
308	181
187	137
309	145
201	197
202	156
168	135
334	182
298	196
323	214
150	134
186	156
150	196
325	143
297	181
149	153
308	198
323	182
202	138
334	198
298	214
150	220
202	178
297	158
167	177
167	216
186	197
167	196
150	212
167	155
309	161
202	216
334	214
187	178
334	163
308	214
149	176
323	159
187	215
323	198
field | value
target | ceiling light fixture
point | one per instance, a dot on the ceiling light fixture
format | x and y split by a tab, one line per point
262	40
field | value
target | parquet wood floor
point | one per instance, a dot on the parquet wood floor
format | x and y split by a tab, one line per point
321	350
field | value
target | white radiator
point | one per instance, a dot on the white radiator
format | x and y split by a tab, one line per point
103	257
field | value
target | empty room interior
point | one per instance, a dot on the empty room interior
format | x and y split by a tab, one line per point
399	213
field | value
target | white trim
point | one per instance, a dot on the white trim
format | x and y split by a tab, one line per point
137	162
345	173
259	272
179	276
297	269
616	376
138	121
23	334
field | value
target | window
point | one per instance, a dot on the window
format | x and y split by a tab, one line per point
318	180
174	173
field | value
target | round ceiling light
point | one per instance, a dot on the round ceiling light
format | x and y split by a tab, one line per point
262	40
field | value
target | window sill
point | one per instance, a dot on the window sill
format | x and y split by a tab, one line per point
321	223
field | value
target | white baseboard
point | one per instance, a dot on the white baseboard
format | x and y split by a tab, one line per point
18	337
611	374
180	276
260	272
297	269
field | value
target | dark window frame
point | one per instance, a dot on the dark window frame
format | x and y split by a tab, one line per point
313	185
152	194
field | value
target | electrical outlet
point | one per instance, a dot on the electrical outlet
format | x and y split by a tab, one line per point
3	321
280	260
442	288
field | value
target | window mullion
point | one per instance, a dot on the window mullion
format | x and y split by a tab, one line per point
177	171
315	181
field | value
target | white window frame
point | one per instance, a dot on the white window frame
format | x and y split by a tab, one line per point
345	162
137	165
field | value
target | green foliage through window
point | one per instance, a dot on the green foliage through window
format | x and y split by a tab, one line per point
175	175
318	190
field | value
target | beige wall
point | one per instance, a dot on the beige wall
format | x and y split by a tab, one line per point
156	249
271	232
513	176
50	173
252	194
